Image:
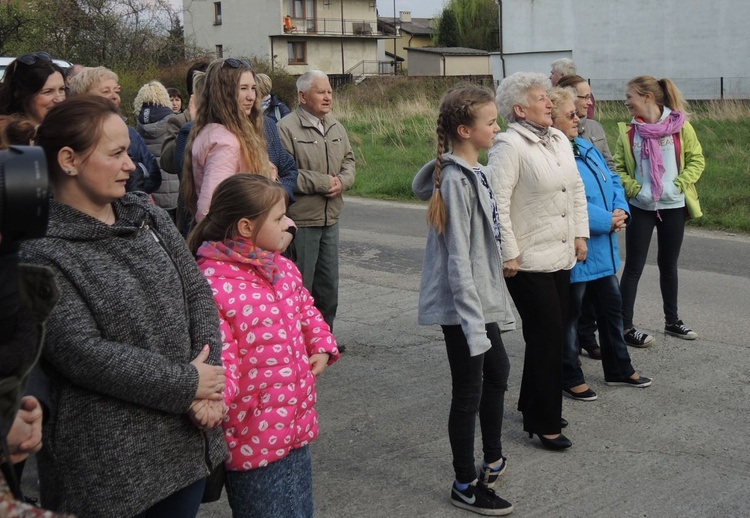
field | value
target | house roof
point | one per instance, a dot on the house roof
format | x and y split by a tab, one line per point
417	26
450	51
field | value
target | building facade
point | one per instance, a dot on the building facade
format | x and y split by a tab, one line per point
335	36
407	32
701	45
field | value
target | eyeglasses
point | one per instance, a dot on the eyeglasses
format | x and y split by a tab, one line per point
237	63
586	97
571	116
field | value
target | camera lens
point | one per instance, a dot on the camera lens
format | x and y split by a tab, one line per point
24	194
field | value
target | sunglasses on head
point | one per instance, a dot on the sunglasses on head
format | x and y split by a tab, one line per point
30	59
237	63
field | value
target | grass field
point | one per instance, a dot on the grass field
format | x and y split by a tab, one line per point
392	129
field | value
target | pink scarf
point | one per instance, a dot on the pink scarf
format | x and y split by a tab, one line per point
243	251
651	133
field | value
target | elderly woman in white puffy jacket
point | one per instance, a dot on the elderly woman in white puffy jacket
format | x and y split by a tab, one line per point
544	224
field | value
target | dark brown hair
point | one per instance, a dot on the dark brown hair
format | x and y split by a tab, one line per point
242	195
75	123
22	82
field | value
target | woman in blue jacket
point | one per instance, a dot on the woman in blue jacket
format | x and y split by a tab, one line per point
608	214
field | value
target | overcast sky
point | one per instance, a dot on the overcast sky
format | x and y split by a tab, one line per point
418	8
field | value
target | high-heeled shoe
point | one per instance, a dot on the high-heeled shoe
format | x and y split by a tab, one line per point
558	443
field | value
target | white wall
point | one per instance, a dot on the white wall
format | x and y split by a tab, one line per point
692	41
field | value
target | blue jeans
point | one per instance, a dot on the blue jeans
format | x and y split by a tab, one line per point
282	489
605	295
180	504
479	385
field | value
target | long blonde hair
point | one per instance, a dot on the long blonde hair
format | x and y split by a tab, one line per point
664	90
218	103
458	107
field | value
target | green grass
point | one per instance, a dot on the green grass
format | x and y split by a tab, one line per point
392	130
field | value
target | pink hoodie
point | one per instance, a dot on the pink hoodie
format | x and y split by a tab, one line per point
270	328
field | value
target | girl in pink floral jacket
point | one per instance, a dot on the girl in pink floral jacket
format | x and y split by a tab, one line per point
275	344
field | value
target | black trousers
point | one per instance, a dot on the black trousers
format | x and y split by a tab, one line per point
670	230
479	385
542	300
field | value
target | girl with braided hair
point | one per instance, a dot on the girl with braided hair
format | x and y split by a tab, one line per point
462	290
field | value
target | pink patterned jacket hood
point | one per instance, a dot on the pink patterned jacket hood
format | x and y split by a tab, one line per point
270	328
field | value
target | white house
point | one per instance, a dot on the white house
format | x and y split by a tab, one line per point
701	45
335	36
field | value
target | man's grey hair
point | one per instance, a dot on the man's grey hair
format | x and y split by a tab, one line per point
564	67
514	90
305	81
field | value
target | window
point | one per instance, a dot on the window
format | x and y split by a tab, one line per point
303	10
217	13
219	51
297	53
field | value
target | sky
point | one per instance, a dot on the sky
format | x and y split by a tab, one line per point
418	8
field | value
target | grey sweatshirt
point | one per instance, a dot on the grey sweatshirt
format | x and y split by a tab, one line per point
462	274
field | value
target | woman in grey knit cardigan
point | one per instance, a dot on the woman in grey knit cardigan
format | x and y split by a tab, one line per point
133	350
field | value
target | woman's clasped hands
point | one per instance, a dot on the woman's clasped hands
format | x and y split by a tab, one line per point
208	408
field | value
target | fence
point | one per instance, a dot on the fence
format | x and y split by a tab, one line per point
710	88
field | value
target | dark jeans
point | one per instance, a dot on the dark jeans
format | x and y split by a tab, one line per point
670	229
180	504
587	323
316	252
282	489
479	385
605	295
542	301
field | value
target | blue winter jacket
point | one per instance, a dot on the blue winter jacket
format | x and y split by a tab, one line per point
604	194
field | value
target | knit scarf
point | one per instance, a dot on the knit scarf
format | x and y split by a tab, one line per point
245	252
540	131
651	133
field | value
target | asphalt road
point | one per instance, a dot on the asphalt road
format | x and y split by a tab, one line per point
677	448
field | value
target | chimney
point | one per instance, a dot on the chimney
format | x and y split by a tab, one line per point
405	16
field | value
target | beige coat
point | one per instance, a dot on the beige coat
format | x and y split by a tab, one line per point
318	157
540	197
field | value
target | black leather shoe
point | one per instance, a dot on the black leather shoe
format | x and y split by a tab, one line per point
593	350
559	443
342	349
563	422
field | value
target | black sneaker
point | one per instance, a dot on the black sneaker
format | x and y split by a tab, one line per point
641	382
488	476
637	338
680	330
481	500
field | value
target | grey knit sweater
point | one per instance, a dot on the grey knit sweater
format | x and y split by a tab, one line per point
130	319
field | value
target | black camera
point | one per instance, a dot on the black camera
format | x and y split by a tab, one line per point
24	195
24	210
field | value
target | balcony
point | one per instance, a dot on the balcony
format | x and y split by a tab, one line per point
330	27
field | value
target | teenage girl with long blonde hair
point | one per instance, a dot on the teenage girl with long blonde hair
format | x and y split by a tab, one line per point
227	137
463	291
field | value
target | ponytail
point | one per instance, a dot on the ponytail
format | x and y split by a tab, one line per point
673	98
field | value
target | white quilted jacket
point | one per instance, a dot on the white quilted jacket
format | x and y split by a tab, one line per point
540	197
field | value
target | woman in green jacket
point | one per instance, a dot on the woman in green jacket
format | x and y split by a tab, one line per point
659	159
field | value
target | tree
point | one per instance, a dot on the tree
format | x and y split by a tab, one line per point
12	21
447	34
477	23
